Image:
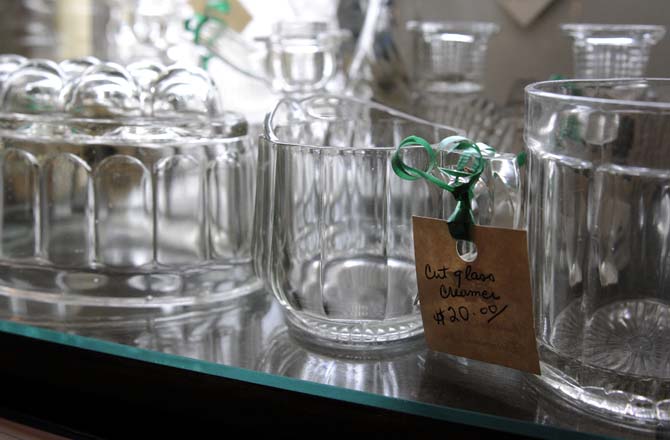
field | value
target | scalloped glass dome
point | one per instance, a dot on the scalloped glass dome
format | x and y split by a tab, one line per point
104	90
108	202
32	88
185	90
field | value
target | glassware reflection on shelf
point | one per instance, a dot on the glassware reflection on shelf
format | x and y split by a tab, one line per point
473	384
612	50
598	242
332	225
551	411
395	376
114	196
231	332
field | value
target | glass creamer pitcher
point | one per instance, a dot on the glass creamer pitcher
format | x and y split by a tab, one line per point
332	225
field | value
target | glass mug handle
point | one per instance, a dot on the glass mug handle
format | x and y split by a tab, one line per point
507	192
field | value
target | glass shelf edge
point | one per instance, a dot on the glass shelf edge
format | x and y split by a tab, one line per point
444	413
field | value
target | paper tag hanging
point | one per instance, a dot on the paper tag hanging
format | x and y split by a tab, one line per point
481	309
235	16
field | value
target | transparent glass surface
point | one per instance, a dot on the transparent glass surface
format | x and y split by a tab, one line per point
598	237
333	228
297	57
114	196
449	56
449	64
246	339
153	212
142	30
612	51
479	117
303	56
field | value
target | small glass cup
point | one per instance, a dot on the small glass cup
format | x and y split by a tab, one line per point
332	227
599	242
449	56
612	50
449	63
303	56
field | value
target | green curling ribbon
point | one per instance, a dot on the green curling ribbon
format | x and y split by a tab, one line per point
195	23
463	179
204	60
521	158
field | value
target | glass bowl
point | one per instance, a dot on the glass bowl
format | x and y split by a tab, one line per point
106	206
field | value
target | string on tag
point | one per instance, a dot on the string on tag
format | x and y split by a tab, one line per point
460	180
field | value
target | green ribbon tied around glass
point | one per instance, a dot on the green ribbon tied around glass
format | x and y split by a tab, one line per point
195	23
460	180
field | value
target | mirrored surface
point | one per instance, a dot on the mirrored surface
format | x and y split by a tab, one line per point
249	333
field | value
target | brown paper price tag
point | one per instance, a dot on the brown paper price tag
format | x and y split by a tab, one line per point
480	309
237	18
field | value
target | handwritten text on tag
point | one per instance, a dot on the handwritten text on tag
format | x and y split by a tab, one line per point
479	309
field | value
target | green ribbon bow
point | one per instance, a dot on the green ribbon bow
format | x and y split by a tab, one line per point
460	180
195	23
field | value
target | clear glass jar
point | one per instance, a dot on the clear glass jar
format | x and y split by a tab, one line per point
332	227
612	50
114	197
599	236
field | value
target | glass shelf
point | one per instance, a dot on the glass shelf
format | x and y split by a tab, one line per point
246	340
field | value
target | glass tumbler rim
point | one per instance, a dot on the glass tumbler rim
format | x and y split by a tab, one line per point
596	27
271	136
472	27
640	34
547	90
321	32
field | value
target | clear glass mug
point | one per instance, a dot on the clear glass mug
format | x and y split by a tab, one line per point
332	227
599	238
611	50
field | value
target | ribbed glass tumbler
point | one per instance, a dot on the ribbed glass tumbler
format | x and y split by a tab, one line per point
449	56
612	51
599	242
333	229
